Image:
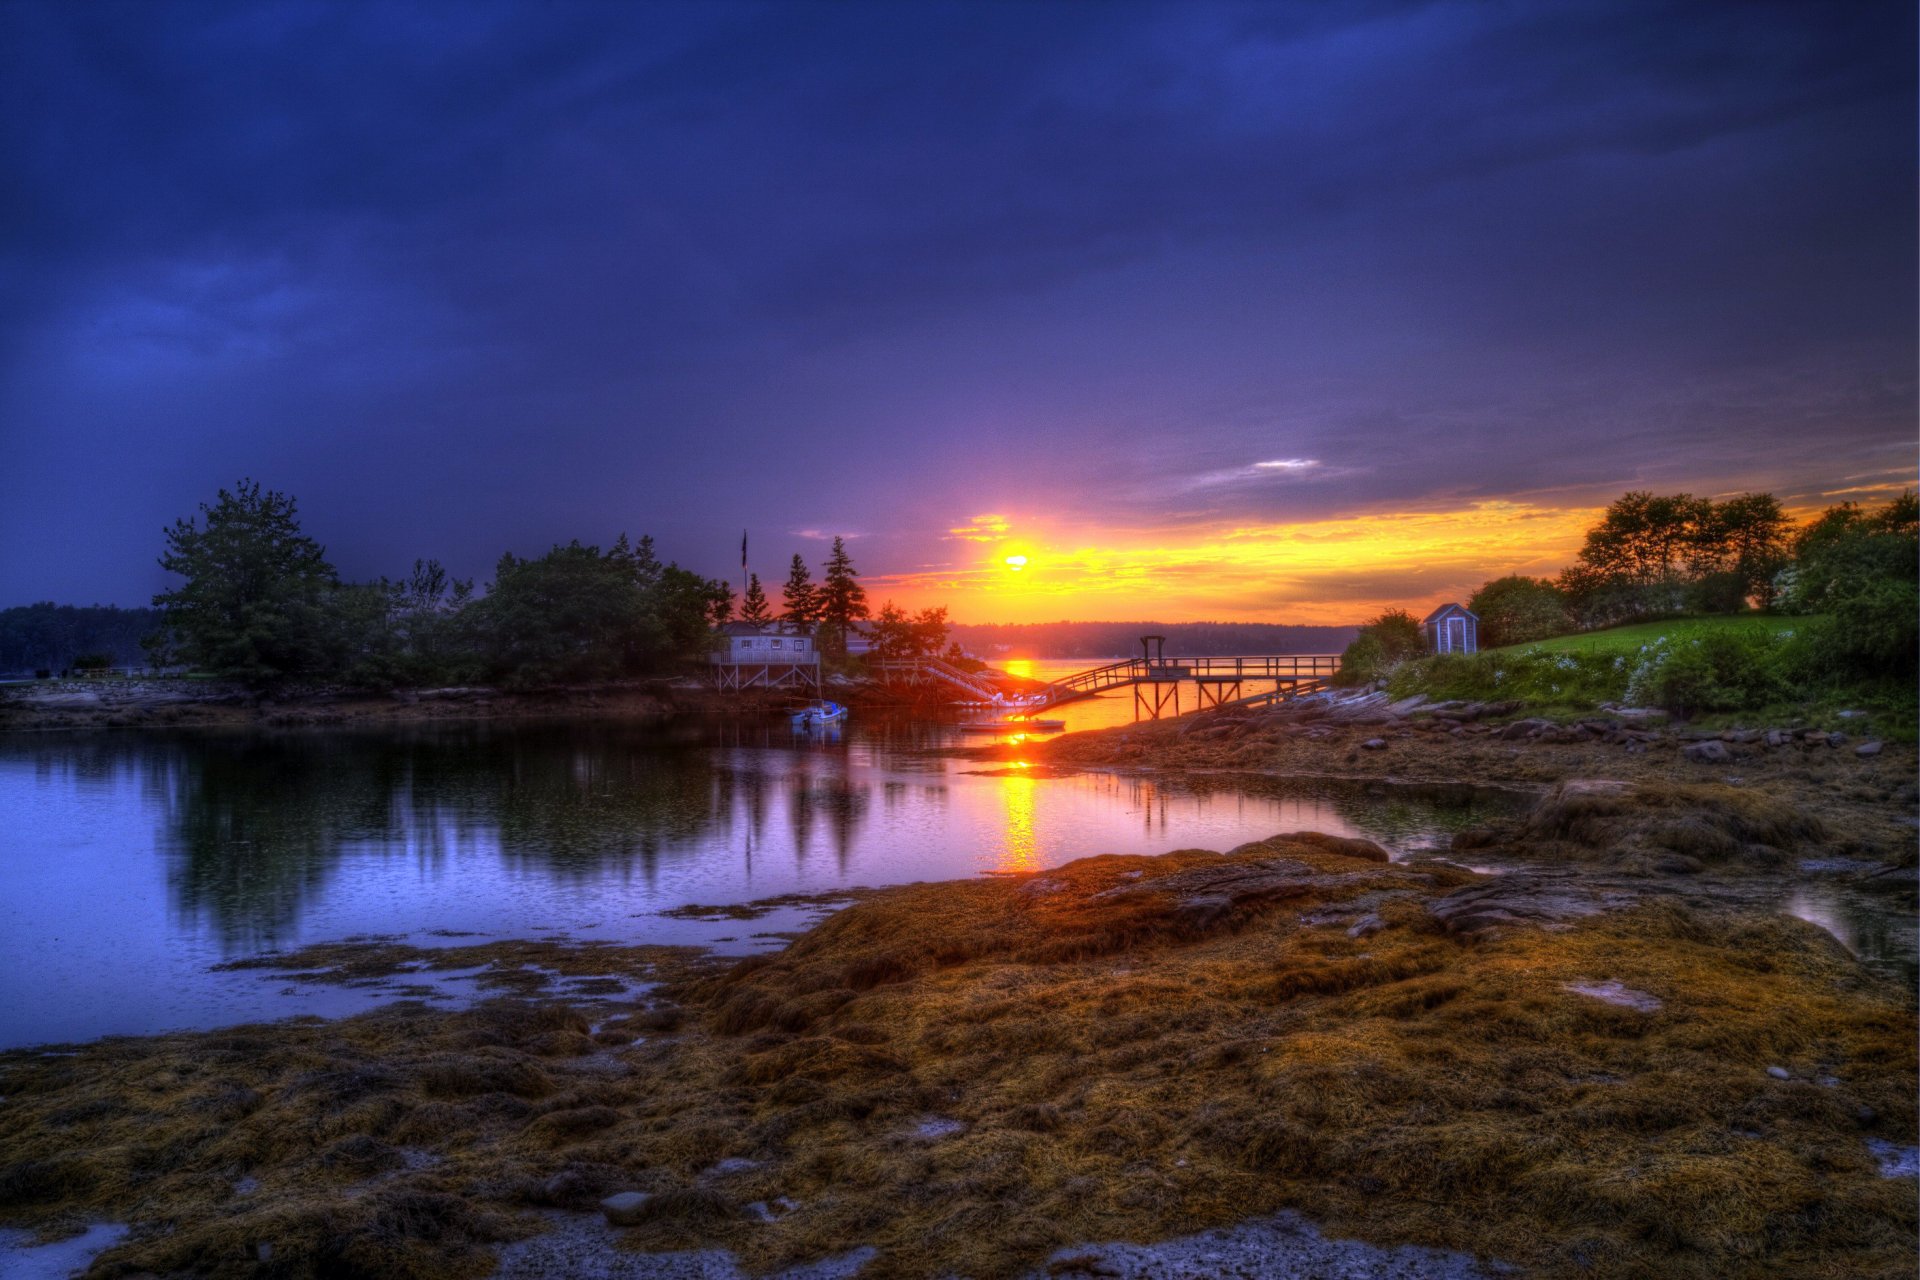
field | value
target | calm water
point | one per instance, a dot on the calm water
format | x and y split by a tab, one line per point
131	863
1108	709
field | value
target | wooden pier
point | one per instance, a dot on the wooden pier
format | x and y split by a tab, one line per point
1154	678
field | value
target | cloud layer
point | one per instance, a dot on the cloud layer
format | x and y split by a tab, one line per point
472	278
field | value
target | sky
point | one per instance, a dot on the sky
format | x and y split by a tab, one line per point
1280	312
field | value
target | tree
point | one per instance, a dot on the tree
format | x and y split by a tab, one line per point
843	601
1517	609
929	631
892	634
753	607
571	614
1861	566
254	601
1384	643
800	596
1748	535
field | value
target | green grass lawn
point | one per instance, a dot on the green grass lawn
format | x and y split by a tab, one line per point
1629	639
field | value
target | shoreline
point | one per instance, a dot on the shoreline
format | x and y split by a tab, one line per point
1566	1068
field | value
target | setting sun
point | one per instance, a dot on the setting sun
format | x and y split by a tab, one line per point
1016	563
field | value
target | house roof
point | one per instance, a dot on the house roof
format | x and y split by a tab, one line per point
743	629
1445	609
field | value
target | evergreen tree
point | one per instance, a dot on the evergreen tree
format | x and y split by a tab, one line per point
842	599
800	596
255	603
754	607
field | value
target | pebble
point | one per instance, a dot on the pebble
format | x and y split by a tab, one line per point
1711	751
623	1208
1780	1073
732	1165
1614	993
934	1128
1375	744
1871	748
1896	1161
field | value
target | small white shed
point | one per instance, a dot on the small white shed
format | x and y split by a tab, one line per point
1452	628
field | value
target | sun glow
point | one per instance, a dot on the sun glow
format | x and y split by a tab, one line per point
1338	570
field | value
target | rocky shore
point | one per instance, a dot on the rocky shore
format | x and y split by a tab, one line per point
1293	1053
183	703
1856	791
989	1078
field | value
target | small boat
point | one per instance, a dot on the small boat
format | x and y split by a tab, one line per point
819	713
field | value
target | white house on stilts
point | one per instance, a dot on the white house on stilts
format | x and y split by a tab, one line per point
754	657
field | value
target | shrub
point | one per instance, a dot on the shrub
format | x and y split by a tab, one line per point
1717	670
1530	675
1382	645
1876	629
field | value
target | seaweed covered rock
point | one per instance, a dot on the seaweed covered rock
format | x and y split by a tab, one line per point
1662	827
968	1077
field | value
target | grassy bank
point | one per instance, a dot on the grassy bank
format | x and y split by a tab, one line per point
1630	639
1755	671
972	1075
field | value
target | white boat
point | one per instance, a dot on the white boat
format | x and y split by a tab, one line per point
819	713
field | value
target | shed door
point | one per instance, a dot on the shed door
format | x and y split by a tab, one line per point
1456	634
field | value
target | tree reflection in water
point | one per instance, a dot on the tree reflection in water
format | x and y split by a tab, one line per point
257	824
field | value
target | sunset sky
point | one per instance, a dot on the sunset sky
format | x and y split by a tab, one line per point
1278	312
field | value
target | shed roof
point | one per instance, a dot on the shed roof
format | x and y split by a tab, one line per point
1447	608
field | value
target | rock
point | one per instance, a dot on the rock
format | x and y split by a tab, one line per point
731	1167
1374	744
1869	748
1712	751
1366	925
1852	715
934	1128
1896	1160
624	1209
1780	1073
1613	993
1836	739
1522	728
1406	705
1778	737
1639	715
1204	896
1517	899
1678	864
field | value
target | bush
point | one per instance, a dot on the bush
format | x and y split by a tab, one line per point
1876	627
1382	645
1530	675
1717	670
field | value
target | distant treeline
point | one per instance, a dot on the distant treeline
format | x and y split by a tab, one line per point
52	637
1121	639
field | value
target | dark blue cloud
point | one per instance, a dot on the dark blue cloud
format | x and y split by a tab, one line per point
484	276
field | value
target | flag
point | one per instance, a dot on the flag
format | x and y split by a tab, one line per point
743	548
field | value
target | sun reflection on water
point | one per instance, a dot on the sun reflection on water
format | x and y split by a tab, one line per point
1021	851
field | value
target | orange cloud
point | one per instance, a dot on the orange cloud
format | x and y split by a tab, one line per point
1321	571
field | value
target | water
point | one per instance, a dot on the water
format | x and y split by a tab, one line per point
1108	709
132	863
